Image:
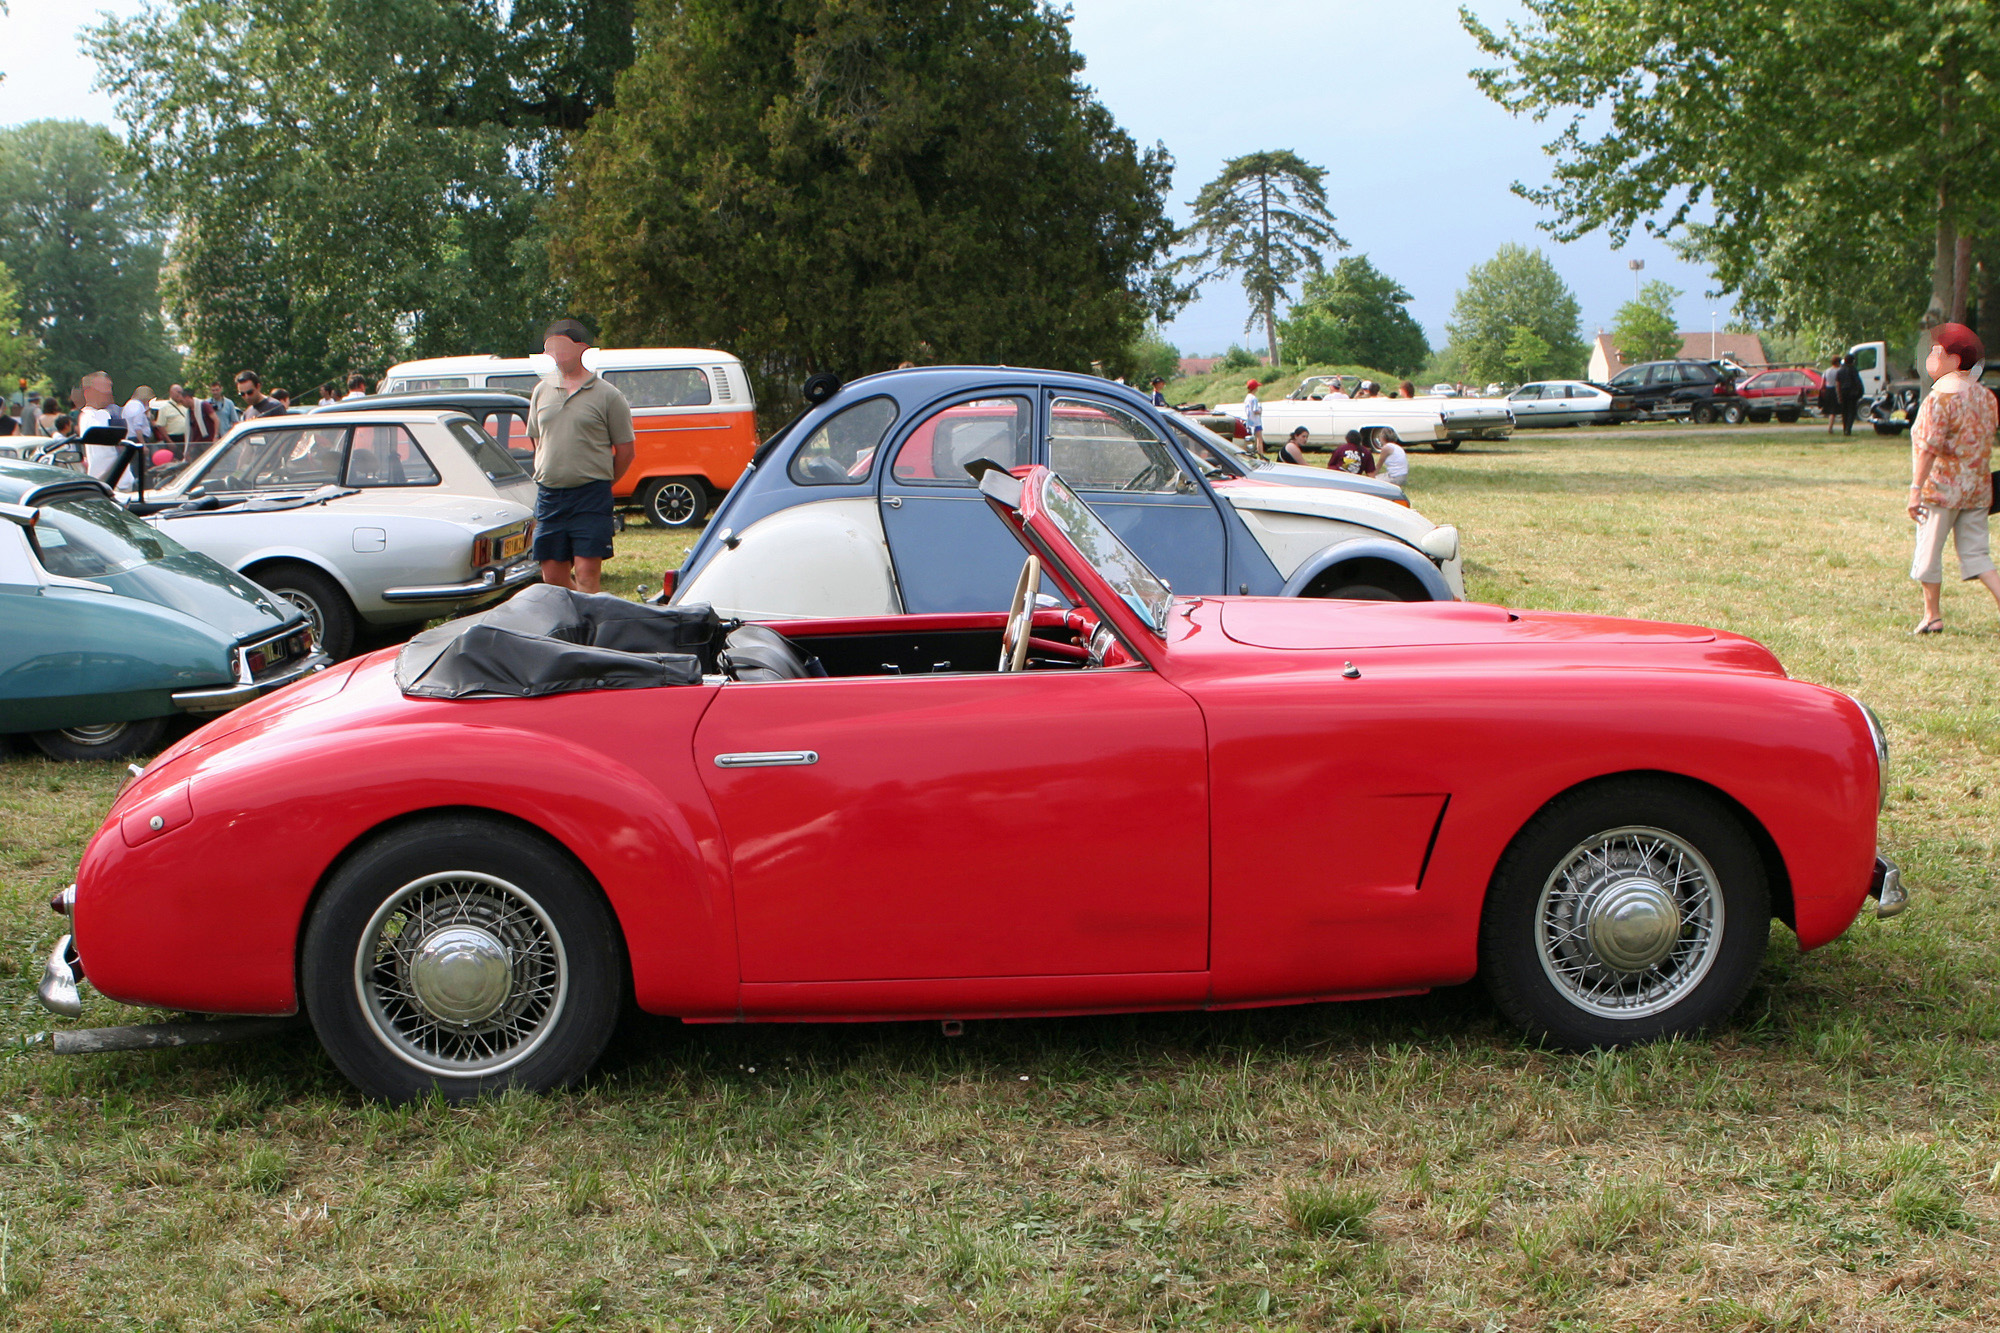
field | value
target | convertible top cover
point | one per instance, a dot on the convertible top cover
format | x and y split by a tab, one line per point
550	640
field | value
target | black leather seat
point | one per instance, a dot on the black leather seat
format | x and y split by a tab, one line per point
754	653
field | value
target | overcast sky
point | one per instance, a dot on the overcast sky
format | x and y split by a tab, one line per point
1420	163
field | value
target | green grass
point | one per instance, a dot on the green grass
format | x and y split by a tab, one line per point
1829	1161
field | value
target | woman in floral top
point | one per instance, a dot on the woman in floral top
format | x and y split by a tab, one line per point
1951	488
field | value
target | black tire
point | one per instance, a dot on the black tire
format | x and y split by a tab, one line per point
1889	427
1701	414
1703	922
1760	417
323	601
505	917
1732	414
107	740
1444	446
1789	418
674	502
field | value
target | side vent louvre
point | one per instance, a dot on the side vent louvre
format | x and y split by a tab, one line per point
722	393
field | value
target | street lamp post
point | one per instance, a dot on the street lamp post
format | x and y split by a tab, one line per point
1711	335
1637	266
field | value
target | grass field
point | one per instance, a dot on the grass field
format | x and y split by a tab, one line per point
1830	1161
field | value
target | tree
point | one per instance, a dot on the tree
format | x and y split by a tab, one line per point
1151	354
829	184
1644	329
1355	315
348	182
1517	290
85	258
1265	218
1844	148
20	350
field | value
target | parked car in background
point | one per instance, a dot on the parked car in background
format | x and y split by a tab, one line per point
1444	391
109	629
1226	457
1785	393
865	506
462	864
1568	403
378	518
693	411
503	416
1440	423
1700	391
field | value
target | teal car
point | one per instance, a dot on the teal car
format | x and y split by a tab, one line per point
108	628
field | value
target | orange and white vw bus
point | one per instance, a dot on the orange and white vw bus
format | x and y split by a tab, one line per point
693	413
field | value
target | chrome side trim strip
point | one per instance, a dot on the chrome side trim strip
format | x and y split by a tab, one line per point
767	759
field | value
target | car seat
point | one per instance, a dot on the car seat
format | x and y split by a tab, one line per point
753	653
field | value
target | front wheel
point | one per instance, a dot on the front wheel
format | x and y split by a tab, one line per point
105	740
326	606
1733	414
1629	911
674	502
462	956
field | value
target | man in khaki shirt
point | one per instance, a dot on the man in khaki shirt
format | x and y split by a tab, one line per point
581	431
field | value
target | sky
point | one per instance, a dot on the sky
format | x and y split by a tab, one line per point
1420	163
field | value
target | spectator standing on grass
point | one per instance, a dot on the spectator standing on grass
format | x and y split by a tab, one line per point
51	413
1253	418
1951	457
256	403
200	420
581	431
326	394
97	409
1829	392
1353	455
1848	380
138	416
284	396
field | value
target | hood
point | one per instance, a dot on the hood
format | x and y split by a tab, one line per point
1296	474
1308	623
203	589
1337	504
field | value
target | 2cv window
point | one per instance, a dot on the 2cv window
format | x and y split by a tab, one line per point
842	450
937	451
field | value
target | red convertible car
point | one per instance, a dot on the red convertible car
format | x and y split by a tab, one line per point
462	858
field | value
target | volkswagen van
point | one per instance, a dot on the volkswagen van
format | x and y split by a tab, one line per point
693	413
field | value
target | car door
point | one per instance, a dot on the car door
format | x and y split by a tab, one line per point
1115	459
950	551
1526	404
1016	824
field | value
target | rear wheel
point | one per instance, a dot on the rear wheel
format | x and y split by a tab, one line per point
1444	446
1631	910
1789	417
105	740
325	604
461	956
1733	414
1701	414
674	502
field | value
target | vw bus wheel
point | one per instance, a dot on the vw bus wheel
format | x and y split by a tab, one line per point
105	740
675	502
461	956
1630	911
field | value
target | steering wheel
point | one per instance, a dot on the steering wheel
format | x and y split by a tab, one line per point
1020	617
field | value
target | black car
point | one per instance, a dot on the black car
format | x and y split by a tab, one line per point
503	415
1701	391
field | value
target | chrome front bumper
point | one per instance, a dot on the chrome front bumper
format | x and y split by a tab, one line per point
518	574
60	977
1887	889
225	697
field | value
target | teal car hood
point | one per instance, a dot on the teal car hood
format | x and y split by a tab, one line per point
199	587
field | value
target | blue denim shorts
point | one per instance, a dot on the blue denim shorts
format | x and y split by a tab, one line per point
574	521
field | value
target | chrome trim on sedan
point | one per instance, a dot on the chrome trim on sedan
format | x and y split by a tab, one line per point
58	992
767	759
223	698
519	573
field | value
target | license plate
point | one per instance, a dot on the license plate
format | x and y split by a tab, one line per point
513	546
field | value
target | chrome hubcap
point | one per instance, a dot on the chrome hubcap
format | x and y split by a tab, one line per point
311	608
673	504
101	733
461	974
1630	922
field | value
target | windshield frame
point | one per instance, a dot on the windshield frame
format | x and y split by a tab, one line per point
1143	592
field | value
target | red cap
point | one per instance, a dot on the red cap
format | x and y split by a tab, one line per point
1961	342
1253	384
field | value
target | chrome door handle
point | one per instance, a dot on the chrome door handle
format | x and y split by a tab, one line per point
767	759
893	501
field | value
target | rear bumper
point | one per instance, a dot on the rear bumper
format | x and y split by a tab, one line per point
495	580
222	698
1886	887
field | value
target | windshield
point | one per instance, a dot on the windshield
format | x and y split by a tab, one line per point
1215	452
1114	562
89	537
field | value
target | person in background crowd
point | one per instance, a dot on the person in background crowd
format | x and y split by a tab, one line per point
1829	392
1407	389
60	427
95	395
357	387
580	428
1159	391
1951	459
326	394
138	416
227	413
201	431
1394	463
1367	389
31	415
1354	456
8	425
1295	446
1338	389
284	396
1849	381
172	420
51	411
256	403
1253	419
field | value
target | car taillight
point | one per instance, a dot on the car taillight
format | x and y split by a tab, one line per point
482	552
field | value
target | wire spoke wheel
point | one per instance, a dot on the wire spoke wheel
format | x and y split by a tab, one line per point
1629	922
461	974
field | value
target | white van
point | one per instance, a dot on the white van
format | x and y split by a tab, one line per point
693	412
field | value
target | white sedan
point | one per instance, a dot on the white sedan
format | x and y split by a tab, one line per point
388	519
1568	403
1443	423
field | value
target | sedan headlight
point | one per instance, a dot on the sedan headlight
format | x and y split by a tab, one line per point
1881	739
1440	544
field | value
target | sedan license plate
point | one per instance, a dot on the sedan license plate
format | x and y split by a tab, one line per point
513	546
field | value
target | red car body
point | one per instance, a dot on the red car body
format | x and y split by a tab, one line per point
1790	390
1272	801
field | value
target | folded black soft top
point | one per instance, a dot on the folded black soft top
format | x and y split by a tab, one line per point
550	640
